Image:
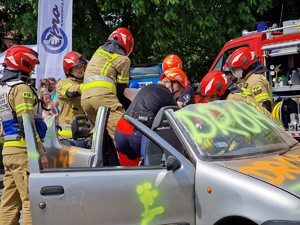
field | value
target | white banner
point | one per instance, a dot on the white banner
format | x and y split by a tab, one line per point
54	38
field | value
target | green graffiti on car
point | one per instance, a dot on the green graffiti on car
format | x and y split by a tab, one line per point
147	196
237	119
295	187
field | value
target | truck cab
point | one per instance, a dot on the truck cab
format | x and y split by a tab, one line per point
278	49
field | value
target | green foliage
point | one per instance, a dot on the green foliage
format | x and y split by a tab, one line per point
193	29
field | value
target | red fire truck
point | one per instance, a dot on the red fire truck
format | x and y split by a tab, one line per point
278	49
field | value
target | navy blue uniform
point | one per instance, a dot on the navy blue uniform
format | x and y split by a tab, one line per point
187	96
146	104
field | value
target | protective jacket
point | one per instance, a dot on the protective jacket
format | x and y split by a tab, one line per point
257	86
105	79
234	92
104	72
68	93
17	97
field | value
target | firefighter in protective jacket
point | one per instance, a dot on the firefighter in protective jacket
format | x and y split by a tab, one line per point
107	76
217	86
245	66
68	91
17	97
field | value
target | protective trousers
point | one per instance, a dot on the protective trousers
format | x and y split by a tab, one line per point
16	193
128	142
91	104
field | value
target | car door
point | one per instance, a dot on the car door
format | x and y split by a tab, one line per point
111	195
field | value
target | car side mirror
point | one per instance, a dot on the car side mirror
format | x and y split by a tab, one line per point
81	127
172	163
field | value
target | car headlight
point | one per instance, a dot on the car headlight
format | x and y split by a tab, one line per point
281	222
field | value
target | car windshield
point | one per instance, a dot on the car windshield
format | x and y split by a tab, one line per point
223	129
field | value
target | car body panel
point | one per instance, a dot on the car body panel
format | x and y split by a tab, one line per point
282	171
235	163
230	183
236	195
149	196
110	195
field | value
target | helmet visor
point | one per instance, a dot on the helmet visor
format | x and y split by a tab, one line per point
237	72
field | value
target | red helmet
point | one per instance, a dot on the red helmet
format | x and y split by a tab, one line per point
242	57
22	58
214	83
199	98
176	74
125	38
72	59
171	61
225	67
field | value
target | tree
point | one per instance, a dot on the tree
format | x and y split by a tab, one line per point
193	29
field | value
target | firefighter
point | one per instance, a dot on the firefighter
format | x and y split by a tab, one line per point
107	76
217	86
245	66
144	107
68	91
228	72
187	96
17	97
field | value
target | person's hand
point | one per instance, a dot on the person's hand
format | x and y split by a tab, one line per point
51	105
44	161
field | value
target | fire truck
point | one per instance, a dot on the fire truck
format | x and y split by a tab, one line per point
278	49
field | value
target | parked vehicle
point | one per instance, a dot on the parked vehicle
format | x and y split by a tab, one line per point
218	163
278	49
144	74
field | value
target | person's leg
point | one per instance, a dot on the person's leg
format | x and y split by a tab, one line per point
123	138
21	180
114	116
90	108
91	105
11	203
135	141
116	112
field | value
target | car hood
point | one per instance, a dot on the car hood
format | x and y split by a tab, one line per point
282	171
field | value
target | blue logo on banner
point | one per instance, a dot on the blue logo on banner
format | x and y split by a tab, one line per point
54	39
54	43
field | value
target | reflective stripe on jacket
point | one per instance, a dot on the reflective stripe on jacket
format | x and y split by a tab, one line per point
104	71
17	97
250	100
257	86
69	106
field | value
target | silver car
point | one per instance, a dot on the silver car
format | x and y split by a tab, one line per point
218	163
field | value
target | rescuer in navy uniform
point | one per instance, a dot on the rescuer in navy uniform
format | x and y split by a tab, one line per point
146	104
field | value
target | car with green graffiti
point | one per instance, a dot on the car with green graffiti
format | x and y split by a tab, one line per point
218	163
